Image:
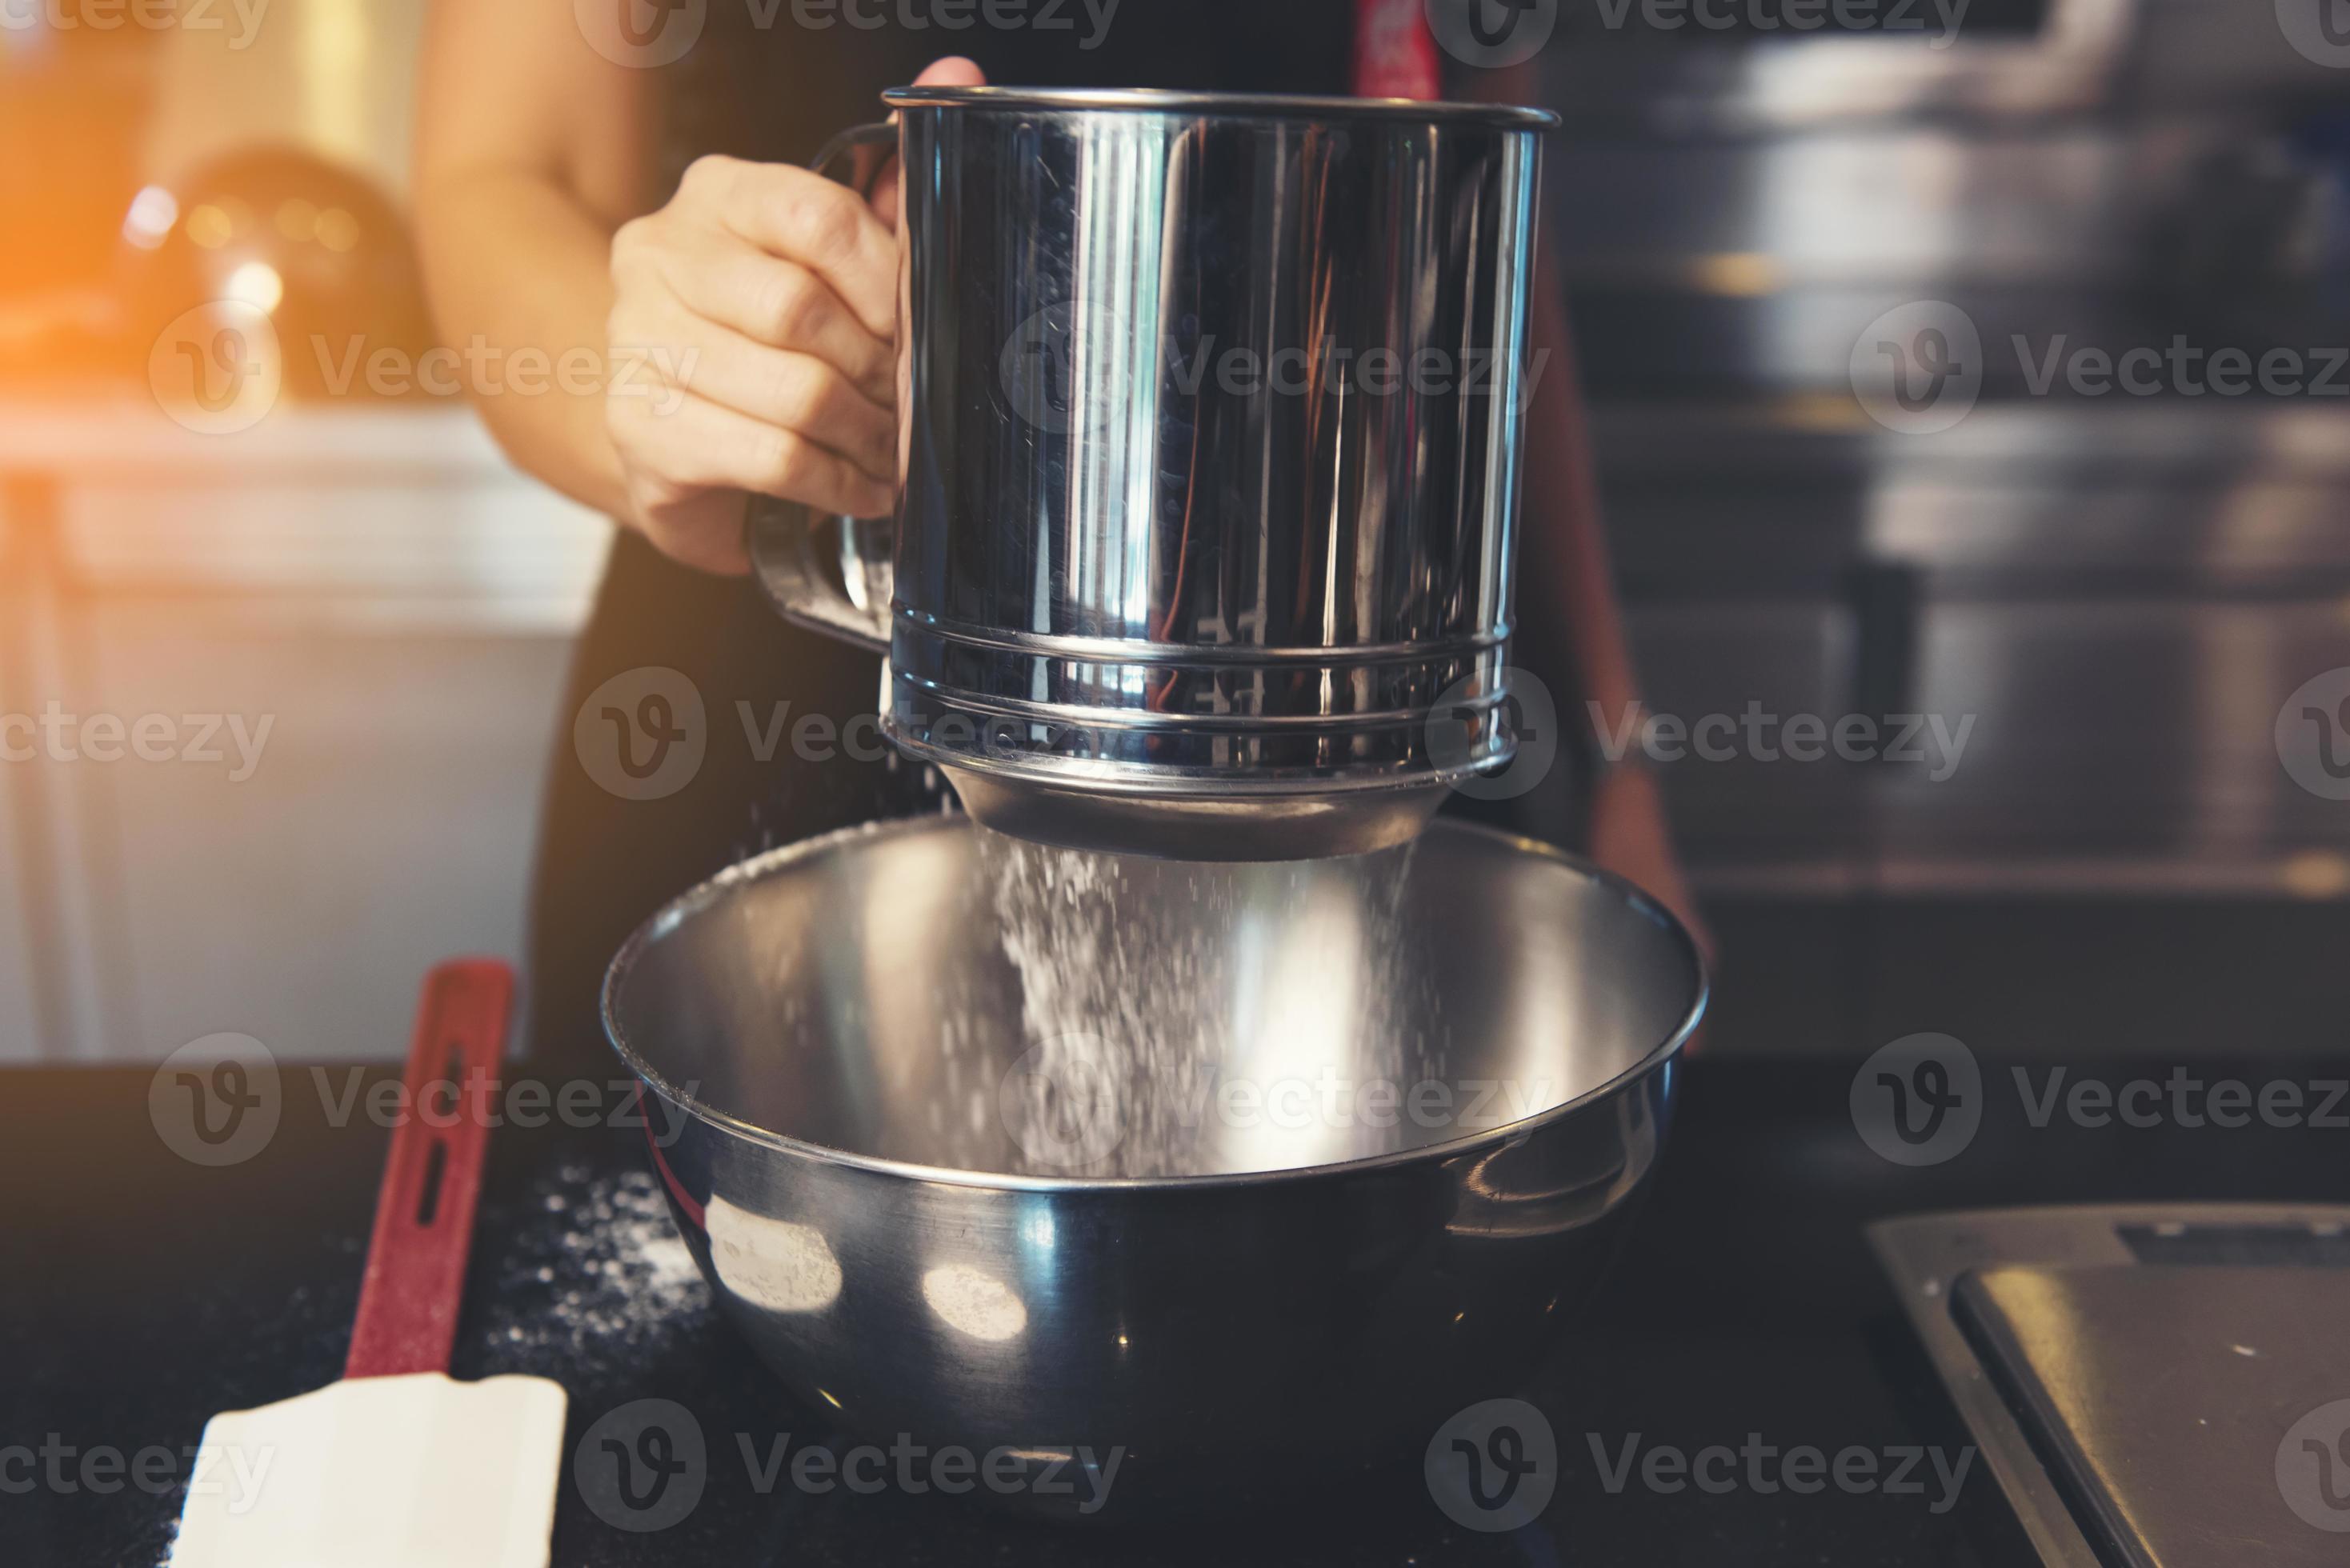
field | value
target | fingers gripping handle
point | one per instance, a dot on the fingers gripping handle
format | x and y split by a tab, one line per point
783	536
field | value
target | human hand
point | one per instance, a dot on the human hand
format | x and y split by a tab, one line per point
771	293
1630	836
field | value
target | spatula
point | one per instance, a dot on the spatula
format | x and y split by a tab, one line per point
396	1466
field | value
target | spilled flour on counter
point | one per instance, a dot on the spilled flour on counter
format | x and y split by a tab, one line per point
1151	991
602	1276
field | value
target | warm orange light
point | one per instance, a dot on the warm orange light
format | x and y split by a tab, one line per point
256	284
338	230
298	220
152	213
210	227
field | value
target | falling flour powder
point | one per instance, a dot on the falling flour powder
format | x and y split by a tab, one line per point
1148	987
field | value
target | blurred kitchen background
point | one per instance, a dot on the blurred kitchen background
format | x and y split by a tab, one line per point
2121	591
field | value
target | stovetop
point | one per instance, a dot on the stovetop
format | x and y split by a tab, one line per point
2154	1386
1747	1329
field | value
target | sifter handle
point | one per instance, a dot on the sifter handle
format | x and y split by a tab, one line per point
781	535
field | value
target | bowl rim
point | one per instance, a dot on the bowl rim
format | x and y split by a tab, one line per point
758	868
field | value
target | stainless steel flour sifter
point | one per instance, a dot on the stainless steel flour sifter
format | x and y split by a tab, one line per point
1209	448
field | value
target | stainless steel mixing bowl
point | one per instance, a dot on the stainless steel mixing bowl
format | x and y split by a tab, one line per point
864	1177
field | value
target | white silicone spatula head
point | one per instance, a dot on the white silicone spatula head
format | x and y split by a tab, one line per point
380	1472
396	1466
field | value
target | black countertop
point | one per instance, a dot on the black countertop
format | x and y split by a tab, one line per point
143	1292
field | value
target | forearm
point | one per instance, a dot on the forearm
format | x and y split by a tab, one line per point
531	150
1564	574
518	266
1567	561
693	343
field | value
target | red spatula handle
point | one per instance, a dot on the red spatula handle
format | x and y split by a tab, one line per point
424	1211
1395	53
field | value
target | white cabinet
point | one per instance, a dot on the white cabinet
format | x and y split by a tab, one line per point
347	639
20	1028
